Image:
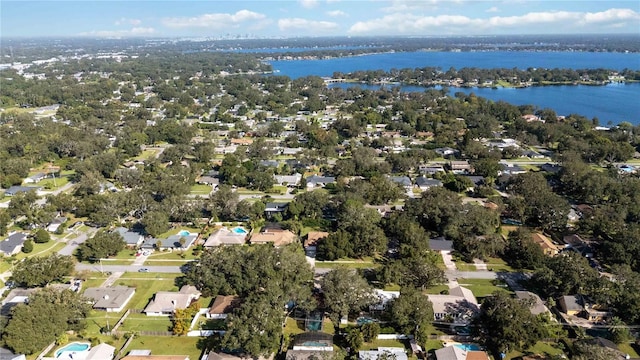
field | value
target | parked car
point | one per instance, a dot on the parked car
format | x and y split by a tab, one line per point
143	270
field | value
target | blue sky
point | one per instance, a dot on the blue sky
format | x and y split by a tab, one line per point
291	18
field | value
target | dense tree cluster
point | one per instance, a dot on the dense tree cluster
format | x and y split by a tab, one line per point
42	270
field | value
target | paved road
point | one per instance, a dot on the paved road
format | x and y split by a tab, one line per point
127	268
73	244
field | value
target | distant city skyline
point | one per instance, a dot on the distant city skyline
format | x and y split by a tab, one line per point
215	19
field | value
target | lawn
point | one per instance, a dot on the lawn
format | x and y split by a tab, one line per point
142	322
542	348
42	249
463	266
293	326
94	280
432	345
383	343
628	349
145	289
172	255
53	184
482	287
201	189
497	264
167	345
146	155
437	289
150	276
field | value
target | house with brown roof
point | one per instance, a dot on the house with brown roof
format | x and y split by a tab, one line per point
242	141
165	303
223	306
275	236
313	237
548	247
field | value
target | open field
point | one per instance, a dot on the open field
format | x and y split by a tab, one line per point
167	345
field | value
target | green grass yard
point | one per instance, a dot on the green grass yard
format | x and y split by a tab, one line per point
167	345
482	287
201	189
142	322
145	289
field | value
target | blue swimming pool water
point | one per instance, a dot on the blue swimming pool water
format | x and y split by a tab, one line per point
76	346
184	233
239	230
314	343
468	347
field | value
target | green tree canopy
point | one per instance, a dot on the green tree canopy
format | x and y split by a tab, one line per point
102	245
42	270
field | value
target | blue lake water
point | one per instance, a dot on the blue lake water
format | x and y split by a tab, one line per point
615	102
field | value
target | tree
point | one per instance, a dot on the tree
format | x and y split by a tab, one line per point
27	247
370	331
155	222
102	245
522	252
619	331
41	236
40	271
506	324
354	339
412	313
345	291
588	350
27	333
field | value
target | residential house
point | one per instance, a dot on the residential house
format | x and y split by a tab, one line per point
425	183
15	297
430	169
224	236
172	242
502	143
611	347
223	306
457	353
537	306
459	306
131	238
551	168
576	243
312	240
101	352
460	166
288	180
314	181
310	345
446	151
273	208
440	244
6	354
403	181
55	224
548	247
242	141
18	189
571	304
510	169
110	299
13	243
476	180
395	353
208	180
164	303
35	178
275	236
532	154
384	297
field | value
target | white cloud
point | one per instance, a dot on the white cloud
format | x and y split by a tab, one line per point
492	9
133	32
336	13
309	3
126	21
214	21
408	23
309	26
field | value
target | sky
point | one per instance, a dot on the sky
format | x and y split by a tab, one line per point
303	18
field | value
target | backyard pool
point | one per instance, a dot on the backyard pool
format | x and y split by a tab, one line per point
184	233
468	347
72	349
240	231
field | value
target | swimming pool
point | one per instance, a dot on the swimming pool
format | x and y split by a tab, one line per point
73	347
184	233
468	347
238	230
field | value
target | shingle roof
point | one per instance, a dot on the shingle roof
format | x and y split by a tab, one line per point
110	297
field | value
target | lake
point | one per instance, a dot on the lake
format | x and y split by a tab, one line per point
614	102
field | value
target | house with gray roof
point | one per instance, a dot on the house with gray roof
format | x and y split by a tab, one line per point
18	189
110	299
13	243
460	305
131	238
319	181
172	242
403	181
288	180
164	303
536	305
424	183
